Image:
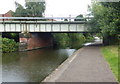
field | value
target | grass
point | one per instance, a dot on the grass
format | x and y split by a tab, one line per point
111	56
0	41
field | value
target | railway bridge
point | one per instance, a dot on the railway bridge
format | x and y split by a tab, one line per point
40	28
33	24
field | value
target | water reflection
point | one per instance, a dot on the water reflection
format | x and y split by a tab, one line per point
32	66
97	40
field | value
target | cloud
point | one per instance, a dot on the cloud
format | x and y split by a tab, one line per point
66	7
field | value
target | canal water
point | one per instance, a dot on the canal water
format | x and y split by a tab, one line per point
32	66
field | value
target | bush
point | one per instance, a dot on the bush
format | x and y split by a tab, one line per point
68	40
76	40
9	45
89	37
61	40
14	36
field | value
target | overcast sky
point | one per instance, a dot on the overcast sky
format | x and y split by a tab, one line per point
55	8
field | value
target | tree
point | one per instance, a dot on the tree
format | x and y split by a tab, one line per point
96	10
61	42
79	18
65	19
76	40
106	20
34	9
20	11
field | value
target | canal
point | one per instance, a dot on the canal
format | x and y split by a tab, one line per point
32	66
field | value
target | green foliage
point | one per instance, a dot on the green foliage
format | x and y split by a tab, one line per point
106	19
14	36
89	37
76	40
9	45
20	11
68	40
61	40
79	18
99	35
35	8
32	9
65	19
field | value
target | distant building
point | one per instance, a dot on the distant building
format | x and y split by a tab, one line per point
8	14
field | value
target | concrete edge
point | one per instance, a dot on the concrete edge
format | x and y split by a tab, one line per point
61	68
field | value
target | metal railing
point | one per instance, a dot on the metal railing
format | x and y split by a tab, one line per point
43	18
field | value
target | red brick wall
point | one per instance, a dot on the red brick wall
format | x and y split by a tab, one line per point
38	40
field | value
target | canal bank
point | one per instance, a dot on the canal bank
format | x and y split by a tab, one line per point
85	65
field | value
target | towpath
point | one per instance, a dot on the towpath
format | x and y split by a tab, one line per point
86	65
